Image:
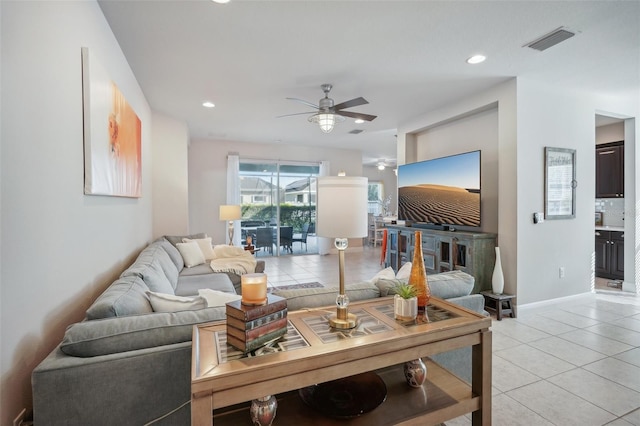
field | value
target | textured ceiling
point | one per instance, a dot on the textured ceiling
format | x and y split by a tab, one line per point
405	57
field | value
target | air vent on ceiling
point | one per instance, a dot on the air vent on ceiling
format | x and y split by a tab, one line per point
356	131
549	40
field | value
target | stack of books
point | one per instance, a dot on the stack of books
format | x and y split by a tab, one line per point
251	327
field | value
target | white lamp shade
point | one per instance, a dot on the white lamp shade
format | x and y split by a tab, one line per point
342	207
230	212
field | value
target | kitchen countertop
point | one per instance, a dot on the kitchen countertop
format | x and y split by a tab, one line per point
610	228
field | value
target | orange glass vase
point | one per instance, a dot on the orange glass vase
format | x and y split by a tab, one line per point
418	277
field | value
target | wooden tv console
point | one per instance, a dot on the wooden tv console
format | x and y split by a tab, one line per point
470	252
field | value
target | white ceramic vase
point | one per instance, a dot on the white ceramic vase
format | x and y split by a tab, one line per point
405	309
497	280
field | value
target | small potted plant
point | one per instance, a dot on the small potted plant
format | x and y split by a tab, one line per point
405	302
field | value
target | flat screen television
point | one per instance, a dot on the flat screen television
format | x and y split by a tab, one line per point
441	191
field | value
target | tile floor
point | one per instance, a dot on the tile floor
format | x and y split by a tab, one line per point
571	362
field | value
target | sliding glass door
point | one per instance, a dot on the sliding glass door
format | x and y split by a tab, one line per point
278	206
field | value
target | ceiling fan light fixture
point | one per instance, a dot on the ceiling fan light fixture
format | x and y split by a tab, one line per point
359	121
381	166
326	120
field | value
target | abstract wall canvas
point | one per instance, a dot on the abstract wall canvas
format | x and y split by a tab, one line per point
112	135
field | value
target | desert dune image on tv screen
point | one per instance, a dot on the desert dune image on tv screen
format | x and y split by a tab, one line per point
442	191
439	204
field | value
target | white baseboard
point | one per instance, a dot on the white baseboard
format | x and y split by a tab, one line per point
546	303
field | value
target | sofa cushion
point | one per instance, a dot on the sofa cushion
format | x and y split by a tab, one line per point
450	284
385	274
217	298
315	297
444	285
202	269
404	272
151	273
161	302
205	246
167	264
175	239
191	254
114	335
125	296
172	251
189	285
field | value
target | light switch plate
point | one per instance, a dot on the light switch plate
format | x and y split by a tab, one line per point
538	217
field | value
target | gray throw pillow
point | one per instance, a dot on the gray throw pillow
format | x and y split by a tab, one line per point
175	239
444	285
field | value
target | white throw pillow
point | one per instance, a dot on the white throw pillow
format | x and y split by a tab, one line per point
217	298
161	302
191	254
386	273
404	272
205	246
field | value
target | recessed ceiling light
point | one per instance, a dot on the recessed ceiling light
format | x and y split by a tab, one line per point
476	59
359	121
221	1
208	104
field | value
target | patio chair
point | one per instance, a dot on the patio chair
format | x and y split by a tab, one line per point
302	238
264	239
286	238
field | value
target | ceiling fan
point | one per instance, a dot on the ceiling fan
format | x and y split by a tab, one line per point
327	114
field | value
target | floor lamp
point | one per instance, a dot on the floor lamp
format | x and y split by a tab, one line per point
230	213
342	214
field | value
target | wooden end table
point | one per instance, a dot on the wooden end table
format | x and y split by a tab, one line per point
311	353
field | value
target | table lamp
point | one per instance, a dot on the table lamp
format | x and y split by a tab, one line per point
342	214
230	213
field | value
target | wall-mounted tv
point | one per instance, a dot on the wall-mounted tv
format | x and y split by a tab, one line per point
441	191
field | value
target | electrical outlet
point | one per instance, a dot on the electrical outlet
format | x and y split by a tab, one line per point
19	420
561	272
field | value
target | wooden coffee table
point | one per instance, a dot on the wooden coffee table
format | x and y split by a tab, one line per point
312	353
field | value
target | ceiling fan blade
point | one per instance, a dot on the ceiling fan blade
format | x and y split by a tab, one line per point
352	103
297	113
302	101
365	117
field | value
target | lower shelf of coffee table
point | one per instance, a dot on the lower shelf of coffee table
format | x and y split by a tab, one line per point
442	397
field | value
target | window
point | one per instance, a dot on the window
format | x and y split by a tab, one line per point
375	198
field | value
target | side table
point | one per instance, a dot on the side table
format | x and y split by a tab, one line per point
501	304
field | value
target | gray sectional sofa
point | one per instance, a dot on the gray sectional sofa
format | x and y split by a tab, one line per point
127	365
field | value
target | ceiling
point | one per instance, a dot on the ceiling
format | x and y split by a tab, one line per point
405	57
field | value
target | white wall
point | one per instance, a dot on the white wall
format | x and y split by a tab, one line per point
60	248
477	131
208	174
533	115
552	116
170	176
502	97
389	182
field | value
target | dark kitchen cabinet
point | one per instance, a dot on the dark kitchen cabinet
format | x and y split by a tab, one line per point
610	170
609	248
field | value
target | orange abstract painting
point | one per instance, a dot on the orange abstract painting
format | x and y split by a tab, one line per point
112	136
